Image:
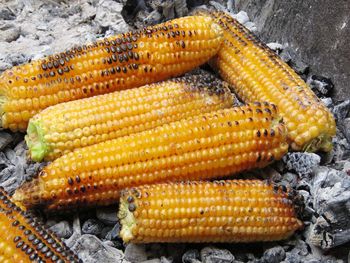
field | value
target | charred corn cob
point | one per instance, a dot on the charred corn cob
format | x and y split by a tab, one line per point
67	126
124	61
220	211
25	239
204	146
258	74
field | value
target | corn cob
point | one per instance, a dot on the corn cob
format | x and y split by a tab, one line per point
123	61
220	211
205	146
65	127
258	74
25	239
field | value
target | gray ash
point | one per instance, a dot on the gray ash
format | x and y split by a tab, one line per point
30	29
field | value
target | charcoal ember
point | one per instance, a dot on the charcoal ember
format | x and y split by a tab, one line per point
273	255
107	215
322	86
92	226
154	260
190	256
135	252
91	250
301	162
62	229
331	192
216	255
5	139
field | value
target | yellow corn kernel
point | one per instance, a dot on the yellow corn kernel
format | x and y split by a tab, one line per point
25	239
257	73
220	211
210	145
65	127
124	61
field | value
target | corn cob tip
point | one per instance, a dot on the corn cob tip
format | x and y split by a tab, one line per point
320	143
27	195
127	218
35	140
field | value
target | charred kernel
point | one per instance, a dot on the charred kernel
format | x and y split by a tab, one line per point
258	133
266	133
16	239
131	199
132	207
77	179
70	181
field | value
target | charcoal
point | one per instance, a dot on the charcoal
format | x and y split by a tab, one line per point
322	86
105	233
190	256
180	8
154	260
166	260
91	250
107	215
274	255
277	47
135	253
113	234
5	139
289	179
300	162
341	148
345	128
108	14
341	110
92	226
62	229
308	205
328	102
331	192
216	255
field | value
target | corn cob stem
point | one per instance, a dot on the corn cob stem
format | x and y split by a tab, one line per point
211	145
258	74
220	211
68	126
25	239
124	61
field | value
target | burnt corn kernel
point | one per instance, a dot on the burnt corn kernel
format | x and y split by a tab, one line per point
219	211
258	73
68	126
198	147
25	237
22	95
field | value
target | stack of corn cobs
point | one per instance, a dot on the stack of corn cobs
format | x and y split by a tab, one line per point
149	147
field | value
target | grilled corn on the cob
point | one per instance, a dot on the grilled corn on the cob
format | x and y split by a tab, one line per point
220	211
24	239
204	146
258	74
123	61
65	127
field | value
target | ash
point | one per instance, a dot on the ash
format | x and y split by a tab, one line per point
31	29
